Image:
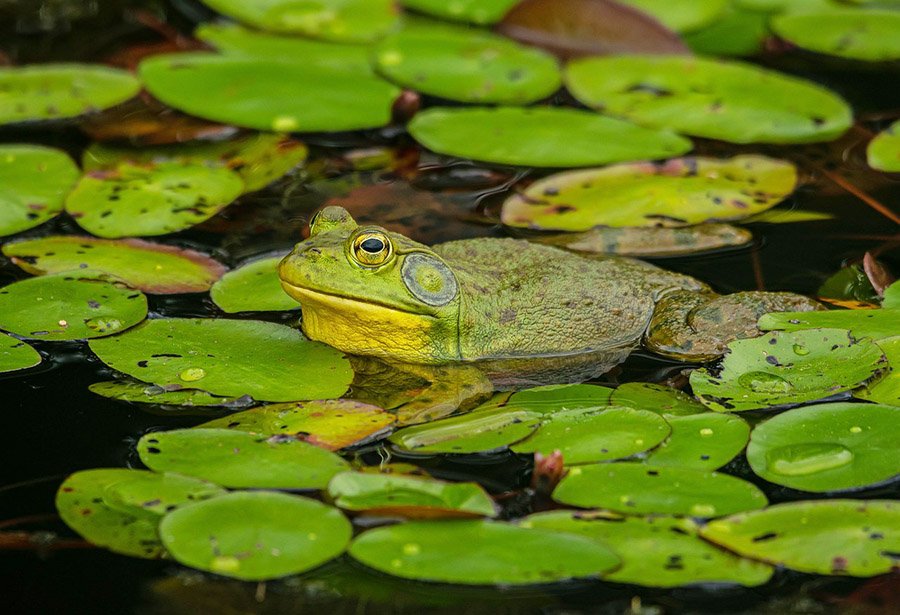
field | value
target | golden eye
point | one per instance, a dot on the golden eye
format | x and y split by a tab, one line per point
371	249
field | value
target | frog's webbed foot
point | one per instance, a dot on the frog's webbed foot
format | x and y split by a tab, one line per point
693	326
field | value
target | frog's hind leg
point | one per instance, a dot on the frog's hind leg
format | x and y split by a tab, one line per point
692	326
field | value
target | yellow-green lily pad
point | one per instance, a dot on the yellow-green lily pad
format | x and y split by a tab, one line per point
481	12
70	306
870	35
151	267
704	441
34	182
883	152
877	324
553	398
141	392
264	360
475	432
16	354
886	390
841	537
679	192
828	447
787	368
681	16
657	397
253	287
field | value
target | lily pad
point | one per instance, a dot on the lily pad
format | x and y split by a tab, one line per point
639	489
681	16
141	392
828	447
656	397
331	423
267	361
679	192
267	95
846	537
462	64
870	35
886	390
704	441
717	99
409	496
787	368
556	397
480	553
238	459
651	241
737	32
255	536
656	551
152	199
481	12
588	436
34	182
16	354
883	152
540	136
336	20
59	91
151	267
128	527
70	306
877	324
253	287
475	432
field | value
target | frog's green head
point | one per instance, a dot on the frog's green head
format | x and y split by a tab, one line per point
366	290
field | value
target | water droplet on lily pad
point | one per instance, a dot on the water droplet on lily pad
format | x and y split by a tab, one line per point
765	382
808	458
192	373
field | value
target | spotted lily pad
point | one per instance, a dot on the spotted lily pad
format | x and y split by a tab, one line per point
681	16
877	324
704	441
59	91
870	35
475	432
639	489
70	306
16	354
120	509
588	436
240	460
462	64
480	553
883	152
255	536
717	99
556	397
141	392
656	551
267	95
253	287
828	447
34	182
151	267
409	496
267	361
846	537
656	397
886	390
152	199
482	12
540	136
787	368
331	423
650	241
679	192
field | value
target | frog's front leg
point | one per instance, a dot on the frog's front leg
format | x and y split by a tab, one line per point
451	388
692	326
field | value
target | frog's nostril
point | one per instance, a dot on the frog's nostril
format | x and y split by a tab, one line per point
314	251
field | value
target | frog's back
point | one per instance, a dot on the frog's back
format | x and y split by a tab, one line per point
521	299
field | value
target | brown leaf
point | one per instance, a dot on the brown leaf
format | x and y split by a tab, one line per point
879	277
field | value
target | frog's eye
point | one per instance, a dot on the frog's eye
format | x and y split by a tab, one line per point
371	248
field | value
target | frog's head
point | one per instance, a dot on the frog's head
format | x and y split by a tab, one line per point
366	290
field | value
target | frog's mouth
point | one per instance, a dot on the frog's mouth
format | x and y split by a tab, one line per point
306	296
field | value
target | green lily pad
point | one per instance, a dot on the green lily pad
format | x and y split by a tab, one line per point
253	287
787	368
847	537
480	553
681	16
891	298
828	447
141	392
119	509
886	390
475	432
255	536
737	32
59	91
267	95
16	354
704	441
150	267
639	489
883	152
656	551
70	306
34	182
877	324
556	397
409	496
540	136
331	423
258	159
481	12
656	397
459	63
238	459
152	199
680	192
588	436
717	99
335	20
870	35
267	361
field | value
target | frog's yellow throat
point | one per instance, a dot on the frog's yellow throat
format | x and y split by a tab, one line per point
358	327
